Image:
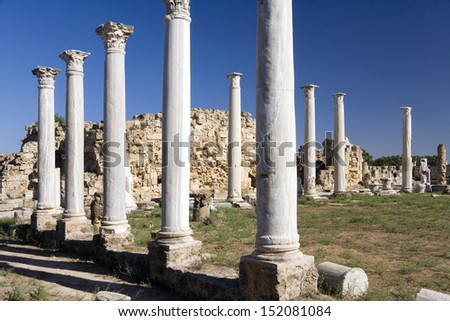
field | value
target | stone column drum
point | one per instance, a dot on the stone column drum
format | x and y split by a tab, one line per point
309	148
339	144
114	224
174	245
46	214
277	270
74	224
407	166
234	139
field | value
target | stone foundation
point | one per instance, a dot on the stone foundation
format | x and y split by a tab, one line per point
74	229
111	240
169	256
45	220
277	280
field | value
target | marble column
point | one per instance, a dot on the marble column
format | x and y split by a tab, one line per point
277	270
174	244
45	216
74	224
234	138
114	221
339	144
309	148
407	166
442	165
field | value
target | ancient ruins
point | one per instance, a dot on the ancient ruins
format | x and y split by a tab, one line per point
66	170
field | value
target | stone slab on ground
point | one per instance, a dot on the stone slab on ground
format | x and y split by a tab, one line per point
430	295
243	206
111	296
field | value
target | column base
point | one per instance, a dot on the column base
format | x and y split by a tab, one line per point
235	199
407	190
45	219
285	278
74	229
113	237
165	256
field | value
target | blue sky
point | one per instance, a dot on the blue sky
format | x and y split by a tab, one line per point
383	53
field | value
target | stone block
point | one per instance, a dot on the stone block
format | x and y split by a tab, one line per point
6	214
342	280
44	220
173	256
111	296
74	229
23	216
279	280
430	295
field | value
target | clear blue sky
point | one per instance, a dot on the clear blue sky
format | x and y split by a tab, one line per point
383	53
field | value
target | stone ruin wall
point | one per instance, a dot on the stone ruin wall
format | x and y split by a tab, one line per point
209	138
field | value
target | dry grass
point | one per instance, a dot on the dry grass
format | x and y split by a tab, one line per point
402	242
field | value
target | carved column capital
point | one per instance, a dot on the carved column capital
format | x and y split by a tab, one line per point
406	110
235	78
114	34
178	9
74	60
46	76
309	89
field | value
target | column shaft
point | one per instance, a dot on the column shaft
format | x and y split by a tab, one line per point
46	137
277	270
309	148
176	125
339	144
234	138
406	151
74	193
114	36
275	130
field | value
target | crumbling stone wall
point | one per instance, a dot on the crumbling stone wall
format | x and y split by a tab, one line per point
209	139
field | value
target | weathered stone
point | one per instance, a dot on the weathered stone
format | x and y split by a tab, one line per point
441	165
201	209
272	280
338	279
111	296
430	295
23	216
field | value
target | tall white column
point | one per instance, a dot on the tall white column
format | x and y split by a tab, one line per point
309	148
114	221
407	166
174	245
74	224
176	123
339	144
234	138
277	269
44	216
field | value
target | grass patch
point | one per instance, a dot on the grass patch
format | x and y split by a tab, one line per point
402	242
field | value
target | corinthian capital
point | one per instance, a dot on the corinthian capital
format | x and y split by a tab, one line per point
46	76
114	34
74	59
178	9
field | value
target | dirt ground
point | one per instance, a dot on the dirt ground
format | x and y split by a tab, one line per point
30	273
